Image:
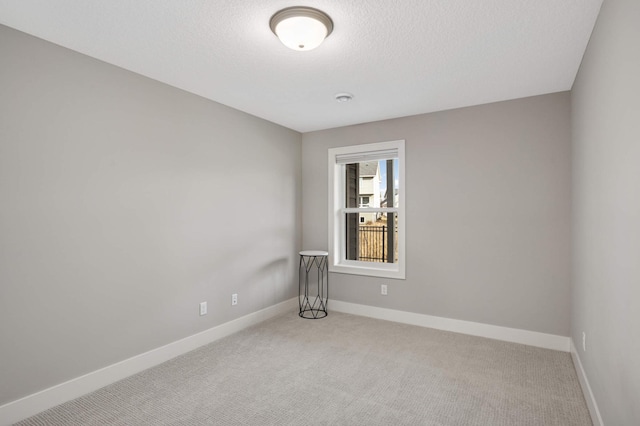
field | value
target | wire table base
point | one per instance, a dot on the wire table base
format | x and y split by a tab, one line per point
313	284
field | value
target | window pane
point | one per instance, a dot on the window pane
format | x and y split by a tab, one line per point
367	181
368	238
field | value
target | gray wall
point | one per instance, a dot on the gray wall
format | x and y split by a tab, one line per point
488	213
123	204
606	212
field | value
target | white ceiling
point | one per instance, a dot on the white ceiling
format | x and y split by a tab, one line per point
398	57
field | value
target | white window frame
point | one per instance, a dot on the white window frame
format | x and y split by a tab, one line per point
337	211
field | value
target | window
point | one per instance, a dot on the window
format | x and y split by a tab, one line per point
366	210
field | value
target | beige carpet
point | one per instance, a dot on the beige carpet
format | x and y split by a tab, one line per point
341	370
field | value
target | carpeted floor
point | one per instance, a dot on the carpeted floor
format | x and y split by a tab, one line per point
341	370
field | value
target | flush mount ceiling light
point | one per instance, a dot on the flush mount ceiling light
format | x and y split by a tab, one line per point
301	28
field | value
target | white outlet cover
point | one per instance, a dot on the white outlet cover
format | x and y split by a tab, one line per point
203	308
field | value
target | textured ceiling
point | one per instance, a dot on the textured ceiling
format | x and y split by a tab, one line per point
397	57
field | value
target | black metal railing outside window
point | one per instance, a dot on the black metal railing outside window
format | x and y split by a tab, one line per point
373	243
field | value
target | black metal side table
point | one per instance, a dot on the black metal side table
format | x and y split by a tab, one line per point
313	292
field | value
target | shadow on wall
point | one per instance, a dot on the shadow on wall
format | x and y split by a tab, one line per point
273	282
261	272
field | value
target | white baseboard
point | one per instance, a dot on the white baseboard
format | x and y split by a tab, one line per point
33	404
586	389
525	337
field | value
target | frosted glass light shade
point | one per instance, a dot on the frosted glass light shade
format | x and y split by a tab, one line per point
301	28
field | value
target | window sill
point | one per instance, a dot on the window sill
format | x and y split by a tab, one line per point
371	269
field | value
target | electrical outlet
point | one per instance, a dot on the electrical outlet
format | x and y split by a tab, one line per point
383	289
203	308
584	341
234	299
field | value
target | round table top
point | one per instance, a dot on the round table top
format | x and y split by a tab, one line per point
314	253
